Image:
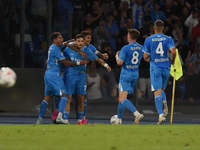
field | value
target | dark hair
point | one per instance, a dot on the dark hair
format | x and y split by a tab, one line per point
85	32
79	36
97	2
129	18
186	8
156	2
125	2
134	33
195	10
150	24
92	62
54	35
147	18
159	23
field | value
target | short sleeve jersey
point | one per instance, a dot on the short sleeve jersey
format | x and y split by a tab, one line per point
77	57
131	56
92	48
157	46
54	57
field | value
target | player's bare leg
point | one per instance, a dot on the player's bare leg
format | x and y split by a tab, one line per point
80	108
129	105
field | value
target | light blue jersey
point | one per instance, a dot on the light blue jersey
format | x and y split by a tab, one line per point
157	46
77	57
92	48
75	76
131	55
54	84
54	57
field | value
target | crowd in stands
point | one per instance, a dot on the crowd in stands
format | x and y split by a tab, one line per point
109	21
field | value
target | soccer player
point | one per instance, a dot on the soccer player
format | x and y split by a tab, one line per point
75	76
57	98
54	84
156	51
129	57
87	39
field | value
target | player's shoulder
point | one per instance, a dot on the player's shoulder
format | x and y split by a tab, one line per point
166	36
88	46
136	44
86	49
169	37
139	45
52	47
68	50
125	47
91	47
149	38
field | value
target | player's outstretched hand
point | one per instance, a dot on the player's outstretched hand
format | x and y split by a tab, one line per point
83	62
108	68
84	54
105	56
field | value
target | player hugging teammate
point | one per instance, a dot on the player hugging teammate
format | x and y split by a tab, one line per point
80	52
75	61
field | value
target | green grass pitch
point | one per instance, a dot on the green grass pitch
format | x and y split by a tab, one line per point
99	137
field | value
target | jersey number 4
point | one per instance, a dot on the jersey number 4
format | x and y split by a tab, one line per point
159	49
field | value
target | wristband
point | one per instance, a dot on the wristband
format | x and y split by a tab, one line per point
116	56
96	52
105	65
78	63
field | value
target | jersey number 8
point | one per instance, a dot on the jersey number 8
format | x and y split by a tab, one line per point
134	60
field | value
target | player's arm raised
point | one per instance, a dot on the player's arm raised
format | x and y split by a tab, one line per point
73	47
103	56
70	63
119	61
98	53
102	62
66	43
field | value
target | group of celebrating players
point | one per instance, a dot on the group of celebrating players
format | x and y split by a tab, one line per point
80	52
